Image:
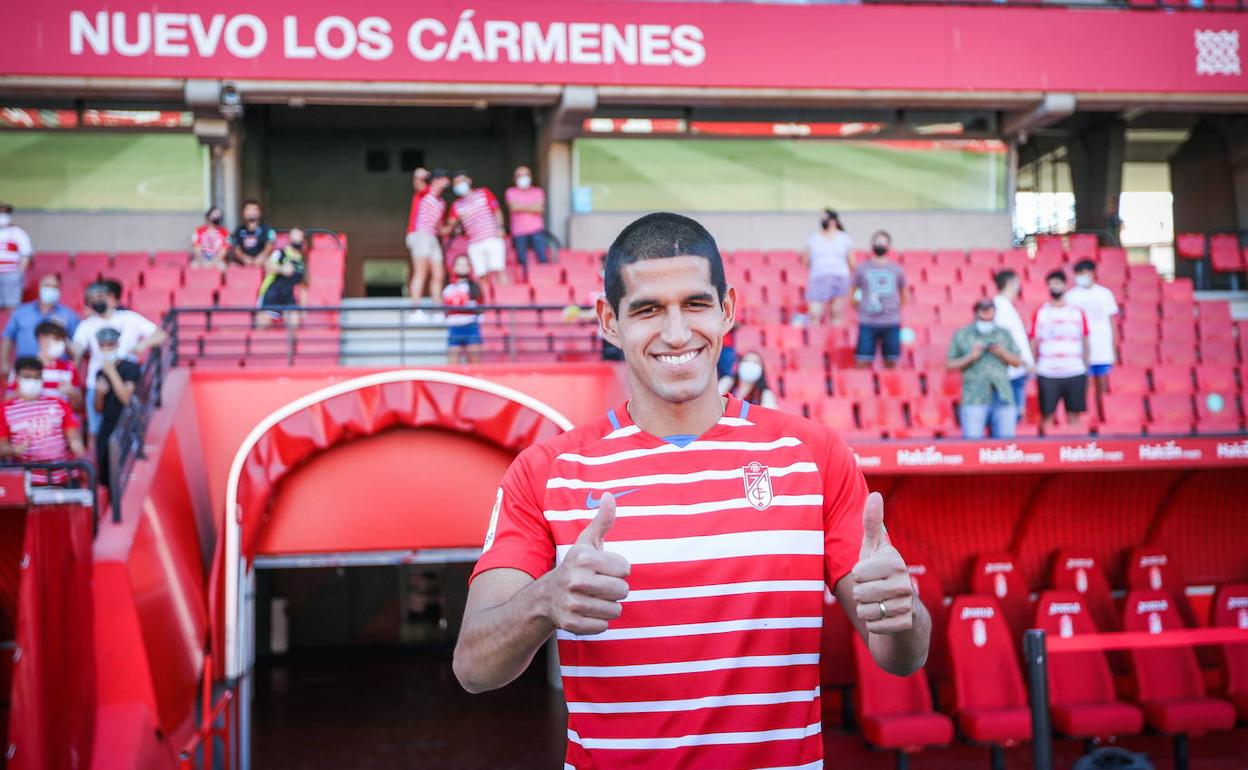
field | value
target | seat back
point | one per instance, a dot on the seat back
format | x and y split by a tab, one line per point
1150	567
881	694
983	656
1162	673
1230	608
995	574
927	586
836	648
1079	571
1074	677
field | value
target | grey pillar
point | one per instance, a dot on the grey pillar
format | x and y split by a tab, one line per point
1096	153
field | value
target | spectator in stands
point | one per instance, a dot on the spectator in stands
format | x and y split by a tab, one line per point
1059	339
284	272
982	351
210	244
749	382
1099	306
428	264
252	241
477	210
137	335
21	328
527	204
827	254
37	429
1008	318
463	326
15	255
114	387
879	283
60	377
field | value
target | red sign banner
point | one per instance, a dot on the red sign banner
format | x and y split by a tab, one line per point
1049	455
730	45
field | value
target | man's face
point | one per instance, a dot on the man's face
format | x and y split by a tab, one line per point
985	314
251	212
46	341
100	295
50	281
670	326
1057	286
438	185
522	171
1012	288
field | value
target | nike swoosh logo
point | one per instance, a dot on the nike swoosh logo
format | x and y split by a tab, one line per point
592	502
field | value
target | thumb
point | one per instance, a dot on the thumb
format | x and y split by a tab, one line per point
596	532
873	535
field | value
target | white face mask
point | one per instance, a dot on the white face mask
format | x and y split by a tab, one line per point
1083	281
462	188
29	387
56	349
985	327
6	220
108	356
523	182
750	371
49	295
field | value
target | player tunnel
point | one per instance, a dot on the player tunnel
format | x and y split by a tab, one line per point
358	511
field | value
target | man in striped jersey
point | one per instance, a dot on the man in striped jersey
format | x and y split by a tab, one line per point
425	221
478	211
35	428
688	614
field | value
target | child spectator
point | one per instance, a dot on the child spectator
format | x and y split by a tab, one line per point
114	387
252	241
284	271
749	382
880	283
463	338
211	242
38	429
60	377
15	254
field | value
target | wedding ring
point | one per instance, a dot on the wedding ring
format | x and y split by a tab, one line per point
883	611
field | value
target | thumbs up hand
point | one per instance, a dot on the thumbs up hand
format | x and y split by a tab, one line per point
883	593
584	592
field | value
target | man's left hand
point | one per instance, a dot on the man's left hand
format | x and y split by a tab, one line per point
883	592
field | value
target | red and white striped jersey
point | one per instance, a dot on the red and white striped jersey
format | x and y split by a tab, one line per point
477	210
428	214
39	425
14	244
732	535
55	374
1061	332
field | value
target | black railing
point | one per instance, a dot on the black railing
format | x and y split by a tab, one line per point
125	444
79	478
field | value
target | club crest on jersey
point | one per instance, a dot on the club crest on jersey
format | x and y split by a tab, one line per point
757	485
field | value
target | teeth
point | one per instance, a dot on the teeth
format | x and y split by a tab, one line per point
678	360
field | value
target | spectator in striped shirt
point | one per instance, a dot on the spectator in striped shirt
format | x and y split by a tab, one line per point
37	429
61	378
477	210
689	617
15	254
428	266
1059	339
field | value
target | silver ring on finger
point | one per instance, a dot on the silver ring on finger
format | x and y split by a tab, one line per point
883	611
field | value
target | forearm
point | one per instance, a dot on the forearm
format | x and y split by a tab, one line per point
496	644
961	362
904	653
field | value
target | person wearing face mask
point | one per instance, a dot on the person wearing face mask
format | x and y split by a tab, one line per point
527	204
211	241
1007	317
20	331
428	264
15	254
114	387
1059	339
983	352
461	295
252	242
477	210
61	378
136	335
284	272
828	255
37	429
880	292
1098	304
749	383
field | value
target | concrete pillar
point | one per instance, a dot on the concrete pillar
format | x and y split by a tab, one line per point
1209	180
1096	153
556	163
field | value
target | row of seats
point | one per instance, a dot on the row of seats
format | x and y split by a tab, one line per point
1225	251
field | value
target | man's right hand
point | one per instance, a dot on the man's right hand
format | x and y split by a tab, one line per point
583	593
977	350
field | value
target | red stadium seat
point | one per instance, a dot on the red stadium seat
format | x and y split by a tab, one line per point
944	382
995	575
1150	568
1172	379
166	278
896	711
511	294
854	383
1081	687
1170	413
1168	682
912	258
807	387
171	259
900	383
932	417
551	294
1218	351
1178	353
45	262
785	337
1225	253
549	273
1215	314
1179	290
989	259
1078	571
1121	413
203	277
810	359
1128	381
990	703
1081	246
1230	608
1138	353
837	413
1190	245
1218	412
91	264
882	415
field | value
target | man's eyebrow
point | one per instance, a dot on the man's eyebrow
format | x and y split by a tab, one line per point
643	302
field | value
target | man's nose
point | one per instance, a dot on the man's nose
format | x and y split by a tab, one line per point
676	330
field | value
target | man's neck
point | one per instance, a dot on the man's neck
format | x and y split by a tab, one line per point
664	418
46	308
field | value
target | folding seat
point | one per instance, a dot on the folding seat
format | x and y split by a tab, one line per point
854	383
784	295
932	416
1128	381
194	296
786	258
1226	254
943	272
1177	352
747	257
1215	313
986	259
1218	351
1218	412
990	702
1114	256
203	278
1190	245
166	278
896	712
1142	273
882	415
45	262
1082	701
549	273
1230	608
941	335
1121	414
900	383
1168	682
928	294
1140	353
1170	413
784	337
762	274
766	314
1015	259
1142	311
1217	376
1172	379
1081	246
171	259
1078	571
921	313
1178	291
241	275
994	574
511	294
91	264
836	412
913	258
748	338
808	359
807	387
944	382
551	294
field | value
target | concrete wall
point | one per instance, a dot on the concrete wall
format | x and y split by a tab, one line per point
109	230
745	230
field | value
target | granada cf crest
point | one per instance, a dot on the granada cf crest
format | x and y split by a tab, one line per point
757	485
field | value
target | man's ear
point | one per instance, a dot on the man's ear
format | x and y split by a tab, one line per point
729	308
608	321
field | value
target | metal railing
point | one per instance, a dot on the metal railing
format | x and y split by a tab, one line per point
216	724
125	444
78	487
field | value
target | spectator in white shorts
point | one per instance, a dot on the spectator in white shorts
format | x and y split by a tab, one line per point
428	211
477	210
827	254
15	254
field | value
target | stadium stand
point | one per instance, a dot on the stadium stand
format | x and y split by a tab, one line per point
1230	608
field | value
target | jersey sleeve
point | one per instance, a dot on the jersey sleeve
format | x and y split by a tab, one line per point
844	496
69	420
519	536
5	435
490	199
10	327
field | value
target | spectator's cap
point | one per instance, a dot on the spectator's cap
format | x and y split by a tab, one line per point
983	304
28	363
51	327
107	336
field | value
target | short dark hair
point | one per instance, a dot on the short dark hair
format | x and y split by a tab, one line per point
251	202
884	233
114	287
661	235
439	173
51	328
26	363
1060	274
1085	266
1004	277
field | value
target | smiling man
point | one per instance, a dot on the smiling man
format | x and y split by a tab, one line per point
688	615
